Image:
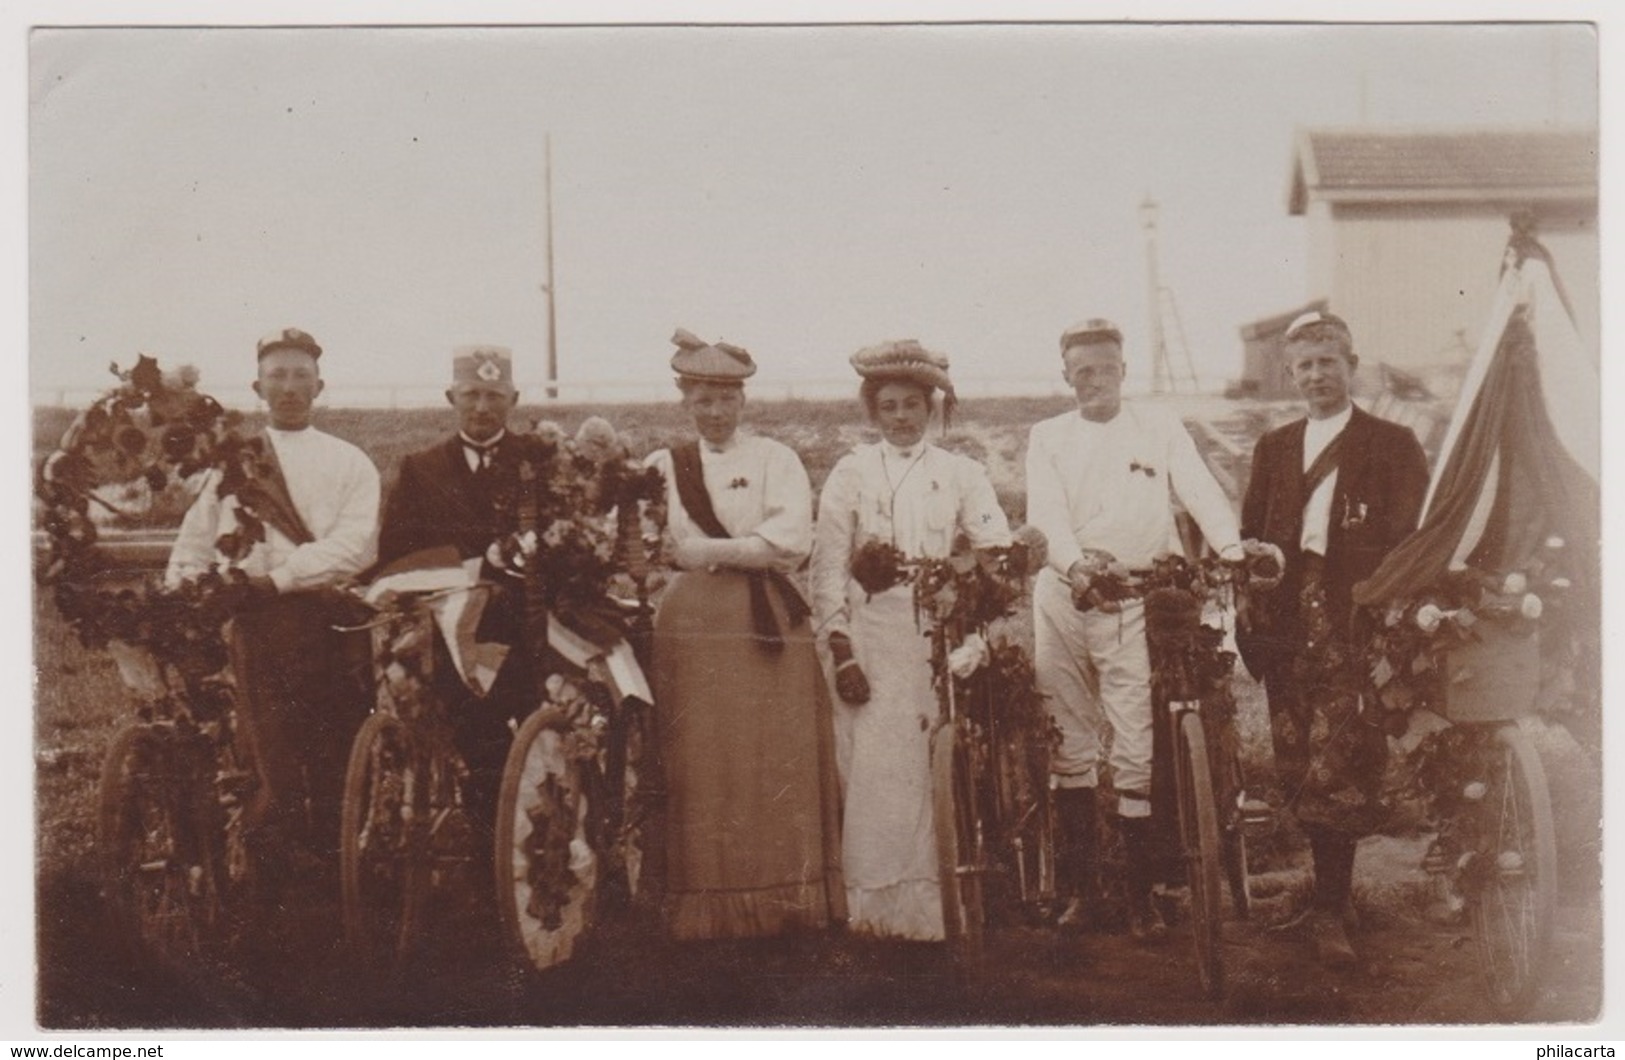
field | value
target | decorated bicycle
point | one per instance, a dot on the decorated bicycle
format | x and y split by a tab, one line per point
991	739
572	803
1198	791
176	861
1488	616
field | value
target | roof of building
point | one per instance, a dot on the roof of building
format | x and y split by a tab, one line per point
1272	326
1418	165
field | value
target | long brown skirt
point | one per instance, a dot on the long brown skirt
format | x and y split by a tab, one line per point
752	809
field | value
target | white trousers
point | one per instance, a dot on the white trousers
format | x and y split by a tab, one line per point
1092	664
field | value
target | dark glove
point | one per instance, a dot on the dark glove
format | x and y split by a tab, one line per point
851	684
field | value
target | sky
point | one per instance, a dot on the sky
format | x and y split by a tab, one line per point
800	191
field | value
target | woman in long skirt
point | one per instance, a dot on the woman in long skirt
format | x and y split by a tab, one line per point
916	498
752	819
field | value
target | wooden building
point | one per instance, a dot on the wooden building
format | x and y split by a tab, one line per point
1406	229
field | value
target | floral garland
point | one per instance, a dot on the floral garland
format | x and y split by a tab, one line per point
1411	639
598	519
152	430
1407	655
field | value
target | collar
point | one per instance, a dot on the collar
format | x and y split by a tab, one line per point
489	443
1331	424
891	452
726	447
279	433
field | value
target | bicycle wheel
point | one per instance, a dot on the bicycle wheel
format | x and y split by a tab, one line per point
1199	840
1023	827
547	870
1515	897
628	827
157	840
958	827
383	873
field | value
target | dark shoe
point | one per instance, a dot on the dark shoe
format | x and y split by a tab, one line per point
1074	917
1331	942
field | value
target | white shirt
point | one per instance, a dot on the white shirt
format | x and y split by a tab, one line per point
917	499
335	490
1317	513
1110	486
758	489
478	454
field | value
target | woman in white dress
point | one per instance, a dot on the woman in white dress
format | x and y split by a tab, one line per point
917	498
751	794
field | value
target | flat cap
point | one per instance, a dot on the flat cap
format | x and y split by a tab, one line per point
904	359
288	339
710	362
482	365
1317	320
1095	329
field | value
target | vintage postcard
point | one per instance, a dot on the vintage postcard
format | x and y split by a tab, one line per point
904	524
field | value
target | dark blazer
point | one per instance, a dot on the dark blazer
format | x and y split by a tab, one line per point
1382	481
437	501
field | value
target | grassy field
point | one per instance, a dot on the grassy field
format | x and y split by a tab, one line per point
990	430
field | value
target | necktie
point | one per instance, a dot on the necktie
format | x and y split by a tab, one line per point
482	455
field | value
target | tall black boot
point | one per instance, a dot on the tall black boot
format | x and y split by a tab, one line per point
1075	855
1332	905
1140	865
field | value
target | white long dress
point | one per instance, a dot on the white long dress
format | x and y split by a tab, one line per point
918	500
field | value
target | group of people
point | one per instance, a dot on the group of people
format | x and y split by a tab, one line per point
795	735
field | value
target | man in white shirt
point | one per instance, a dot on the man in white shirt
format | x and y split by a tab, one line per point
1100	485
307	520
1336	492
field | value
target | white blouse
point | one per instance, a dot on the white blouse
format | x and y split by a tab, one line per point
918	500
758	489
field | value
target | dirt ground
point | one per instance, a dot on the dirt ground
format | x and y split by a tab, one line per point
1409	975
294	971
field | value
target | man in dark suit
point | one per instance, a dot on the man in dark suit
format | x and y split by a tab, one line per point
1336	492
461	496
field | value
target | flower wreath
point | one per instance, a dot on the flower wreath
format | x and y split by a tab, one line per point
151	430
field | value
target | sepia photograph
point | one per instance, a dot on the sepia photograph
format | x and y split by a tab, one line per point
874	524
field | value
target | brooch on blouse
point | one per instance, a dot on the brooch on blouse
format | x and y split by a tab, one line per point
1145	469
739	483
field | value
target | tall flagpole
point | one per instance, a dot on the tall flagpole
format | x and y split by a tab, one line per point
1161	371
552	321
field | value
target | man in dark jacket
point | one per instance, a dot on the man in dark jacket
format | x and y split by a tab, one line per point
1336	492
460	496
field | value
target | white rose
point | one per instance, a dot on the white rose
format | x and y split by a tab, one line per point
1515	583
1561	583
1554	542
1428	618
1474	790
968	657
1530	607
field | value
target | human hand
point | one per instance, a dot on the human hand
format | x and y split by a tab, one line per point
1082	574
1266	565
851	683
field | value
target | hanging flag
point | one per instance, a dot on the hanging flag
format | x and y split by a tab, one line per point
1515	488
